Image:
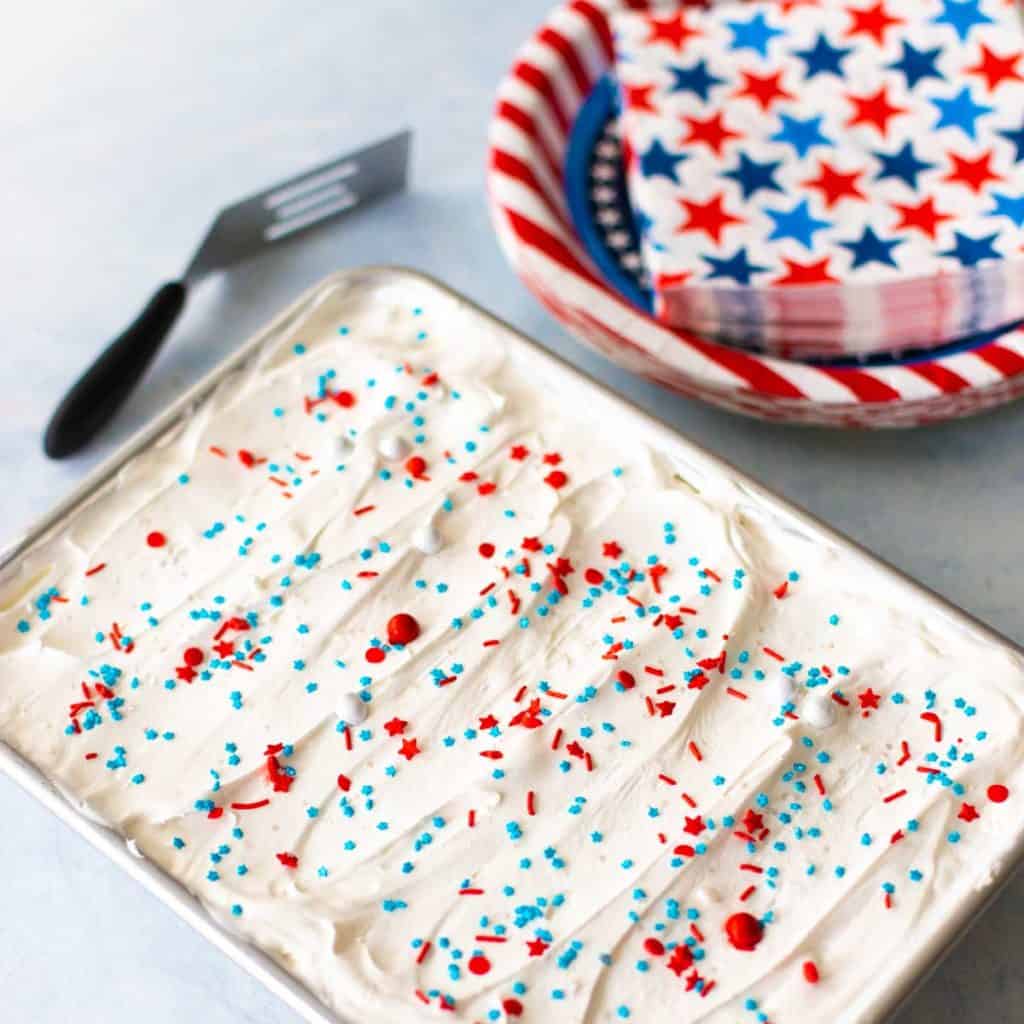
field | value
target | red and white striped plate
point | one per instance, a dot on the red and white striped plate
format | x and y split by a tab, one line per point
536	106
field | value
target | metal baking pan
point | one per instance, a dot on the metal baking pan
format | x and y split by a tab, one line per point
690	459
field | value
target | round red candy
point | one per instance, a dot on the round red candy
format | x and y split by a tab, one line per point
345	399
416	466
998	793
193	656
556	479
478	965
486	549
744	931
156	539
512	1007
594	577
654	946
374	655
402	629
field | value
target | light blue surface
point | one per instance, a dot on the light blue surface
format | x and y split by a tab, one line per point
123	128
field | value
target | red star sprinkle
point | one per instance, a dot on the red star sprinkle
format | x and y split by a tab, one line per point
975	174
224	649
765	89
712	132
488	722
552	459
694	826
185	673
997	69
968	813
674	30
925	217
805	273
537	947
835	184
875	110
871	21
289	860
709	217
556	479
638	98
409	749
680	960
752	821
519	452
665	708
610	549
698	682
868	699
531	544
395	727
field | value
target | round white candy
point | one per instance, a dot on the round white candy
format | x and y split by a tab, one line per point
782	689
393	447
819	710
428	539
351	710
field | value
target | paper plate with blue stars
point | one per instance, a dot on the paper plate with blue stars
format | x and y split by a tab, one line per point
557	185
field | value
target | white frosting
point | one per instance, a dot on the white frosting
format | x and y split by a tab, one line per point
685	749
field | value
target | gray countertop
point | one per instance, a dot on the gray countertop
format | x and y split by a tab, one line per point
124	125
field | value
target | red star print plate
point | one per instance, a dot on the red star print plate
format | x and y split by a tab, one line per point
537	106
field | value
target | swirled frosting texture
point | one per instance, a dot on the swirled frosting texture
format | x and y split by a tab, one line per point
646	721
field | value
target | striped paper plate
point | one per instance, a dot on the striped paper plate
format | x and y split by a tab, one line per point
537	107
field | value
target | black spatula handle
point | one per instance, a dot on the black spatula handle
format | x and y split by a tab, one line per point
103	388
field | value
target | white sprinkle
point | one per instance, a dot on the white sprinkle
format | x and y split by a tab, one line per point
393	448
351	710
819	710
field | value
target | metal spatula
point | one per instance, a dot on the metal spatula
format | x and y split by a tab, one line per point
238	232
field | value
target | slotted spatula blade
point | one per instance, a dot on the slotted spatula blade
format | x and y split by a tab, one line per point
239	232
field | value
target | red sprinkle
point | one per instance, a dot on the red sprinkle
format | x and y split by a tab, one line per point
344	783
289	860
156	539
486	549
416	466
744	931
95	569
193	656
556	479
654	946
402	629
375	655
479	965
810	972
997	793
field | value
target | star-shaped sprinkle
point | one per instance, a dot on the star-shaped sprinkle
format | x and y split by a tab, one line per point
903	164
968	812
531	544
696	79
962	16
806	273
764	89
823	58
971	251
835	184
799	224
1015	136
868	699
871	21
395	727
924	217
1009	206
674	30
487	722
693	826
752	176
409	749
869	248
537	947
918	65
960	111
710	217
224	649
738	267
752	821
637	99
997	69
713	132
755	34
657	161
680	960
519	452
875	109
610	549
802	134
975	174
665	708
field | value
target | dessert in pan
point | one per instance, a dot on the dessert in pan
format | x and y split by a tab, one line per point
823	178
456	685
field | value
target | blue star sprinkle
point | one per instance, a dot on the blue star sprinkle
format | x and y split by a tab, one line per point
1017	138
754	35
799	224
752	176
1009	206
903	165
918	65
971	251
823	58
696	79
737	266
658	161
961	111
802	135
869	248
962	16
